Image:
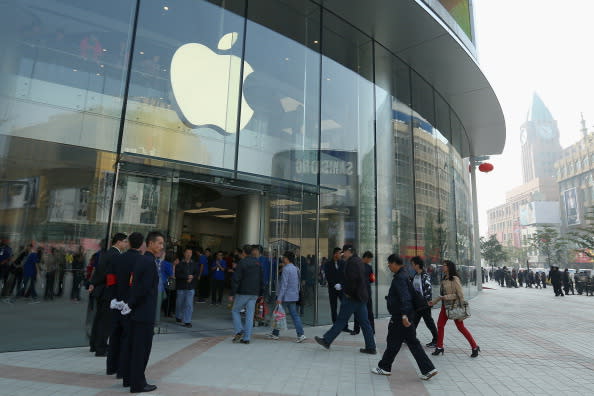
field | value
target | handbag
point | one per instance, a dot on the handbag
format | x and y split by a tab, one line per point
457	310
279	318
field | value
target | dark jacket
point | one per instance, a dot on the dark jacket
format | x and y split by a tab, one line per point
334	275
355	282
182	271
144	290
248	278
124	265
555	276
99	278
426	284
399	299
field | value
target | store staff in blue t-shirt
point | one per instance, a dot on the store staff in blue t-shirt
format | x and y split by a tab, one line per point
217	273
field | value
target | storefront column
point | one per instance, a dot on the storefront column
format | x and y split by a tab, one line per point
248	217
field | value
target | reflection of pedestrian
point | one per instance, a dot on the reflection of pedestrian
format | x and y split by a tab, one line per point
90	47
567	283
334	270
51	266
30	271
422	285
370	275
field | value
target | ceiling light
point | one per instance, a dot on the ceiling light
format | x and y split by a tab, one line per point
286	59
279	220
321	218
316	41
205	210
101	66
74	70
141	52
98	74
282	202
295	212
227	216
166	8
104	49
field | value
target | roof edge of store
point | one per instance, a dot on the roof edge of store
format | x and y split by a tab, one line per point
418	35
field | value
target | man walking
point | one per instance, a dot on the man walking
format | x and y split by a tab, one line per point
143	304
334	271
118	354
247	284
555	278
354	302
186	273
370	276
422	284
288	293
400	329
99	290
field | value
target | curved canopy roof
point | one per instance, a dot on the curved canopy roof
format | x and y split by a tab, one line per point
411	30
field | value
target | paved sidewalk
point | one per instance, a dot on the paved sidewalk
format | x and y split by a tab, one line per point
532	344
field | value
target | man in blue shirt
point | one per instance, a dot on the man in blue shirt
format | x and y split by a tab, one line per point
401	329
203	281
217	271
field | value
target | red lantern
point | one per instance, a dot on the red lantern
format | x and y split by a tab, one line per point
486	167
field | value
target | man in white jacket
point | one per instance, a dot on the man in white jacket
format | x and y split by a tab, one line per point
288	295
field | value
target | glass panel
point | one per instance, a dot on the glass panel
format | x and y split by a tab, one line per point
280	132
347	160
61	83
185	84
442	116
422	98
61	70
292	227
395	195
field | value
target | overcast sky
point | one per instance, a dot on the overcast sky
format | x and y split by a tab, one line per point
526	46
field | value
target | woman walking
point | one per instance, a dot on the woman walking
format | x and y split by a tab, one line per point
451	290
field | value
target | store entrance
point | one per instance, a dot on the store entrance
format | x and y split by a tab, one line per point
221	214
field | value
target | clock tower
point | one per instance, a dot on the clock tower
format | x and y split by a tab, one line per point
539	136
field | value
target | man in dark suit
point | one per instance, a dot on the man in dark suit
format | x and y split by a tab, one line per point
100	291
143	303
354	302
118	353
334	271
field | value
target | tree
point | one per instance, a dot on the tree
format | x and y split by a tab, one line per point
492	251
546	241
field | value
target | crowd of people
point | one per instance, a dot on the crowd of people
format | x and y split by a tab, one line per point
562	282
130	290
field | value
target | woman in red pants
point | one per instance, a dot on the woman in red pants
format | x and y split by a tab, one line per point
451	289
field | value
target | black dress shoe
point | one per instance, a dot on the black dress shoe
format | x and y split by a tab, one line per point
368	351
100	354
355	332
126	384
109	372
322	342
147	388
347	330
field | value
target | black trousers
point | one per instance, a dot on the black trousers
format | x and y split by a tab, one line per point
141	342
397	334
168	305
118	341
557	289
203	287
333	297
217	291
101	326
357	326
429	322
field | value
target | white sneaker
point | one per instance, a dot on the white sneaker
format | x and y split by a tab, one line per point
380	371
272	336
428	375
301	338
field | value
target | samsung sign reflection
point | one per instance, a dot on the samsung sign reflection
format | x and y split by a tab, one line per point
325	167
336	168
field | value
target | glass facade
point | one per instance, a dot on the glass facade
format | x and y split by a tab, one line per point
219	123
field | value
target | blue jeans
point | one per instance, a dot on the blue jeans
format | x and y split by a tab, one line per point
184	305
291	307
249	303
347	308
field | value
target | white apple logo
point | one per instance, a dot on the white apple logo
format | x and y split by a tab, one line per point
206	85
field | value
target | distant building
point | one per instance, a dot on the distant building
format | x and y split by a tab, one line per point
575	176
539	136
